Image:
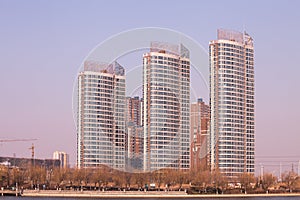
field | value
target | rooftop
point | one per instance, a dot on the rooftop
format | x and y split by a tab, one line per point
164	47
113	68
235	36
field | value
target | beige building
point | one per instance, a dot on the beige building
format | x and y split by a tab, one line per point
63	157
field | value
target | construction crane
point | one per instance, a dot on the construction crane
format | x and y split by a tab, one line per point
21	140
32	151
17	140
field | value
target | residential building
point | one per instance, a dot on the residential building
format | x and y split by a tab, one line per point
232	103
134	137
63	157
134	110
199	116
166	107
134	147
101	116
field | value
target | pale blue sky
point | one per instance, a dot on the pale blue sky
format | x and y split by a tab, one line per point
42	44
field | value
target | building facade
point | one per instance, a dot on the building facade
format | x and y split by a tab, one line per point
26	163
134	134
63	157
101	116
232	103
134	148
199	116
134	110
166	107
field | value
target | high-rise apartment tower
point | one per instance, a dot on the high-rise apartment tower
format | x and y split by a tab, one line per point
166	107
232	103
101	116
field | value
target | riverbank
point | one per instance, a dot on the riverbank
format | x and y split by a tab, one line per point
139	194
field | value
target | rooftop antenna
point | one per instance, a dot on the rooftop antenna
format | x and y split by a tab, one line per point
244	32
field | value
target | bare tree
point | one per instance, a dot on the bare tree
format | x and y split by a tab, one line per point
268	180
128	177
219	180
290	178
200	178
4	175
168	177
140	179
78	177
157	177
59	176
181	177
118	178
246	179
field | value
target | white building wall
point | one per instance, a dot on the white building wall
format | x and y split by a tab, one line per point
232	104
166	104
101	118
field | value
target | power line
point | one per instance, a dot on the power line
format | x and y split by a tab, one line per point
273	164
277	161
284	156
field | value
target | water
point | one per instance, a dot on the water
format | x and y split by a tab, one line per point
219	198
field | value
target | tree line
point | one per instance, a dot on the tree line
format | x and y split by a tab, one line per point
104	178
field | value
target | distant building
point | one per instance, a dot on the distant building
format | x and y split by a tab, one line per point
134	134
27	162
199	116
134	147
101	116
63	157
232	103
134	110
166	107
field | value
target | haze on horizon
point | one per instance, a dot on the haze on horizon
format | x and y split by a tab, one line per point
43	43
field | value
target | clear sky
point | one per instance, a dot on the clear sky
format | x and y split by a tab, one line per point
42	44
